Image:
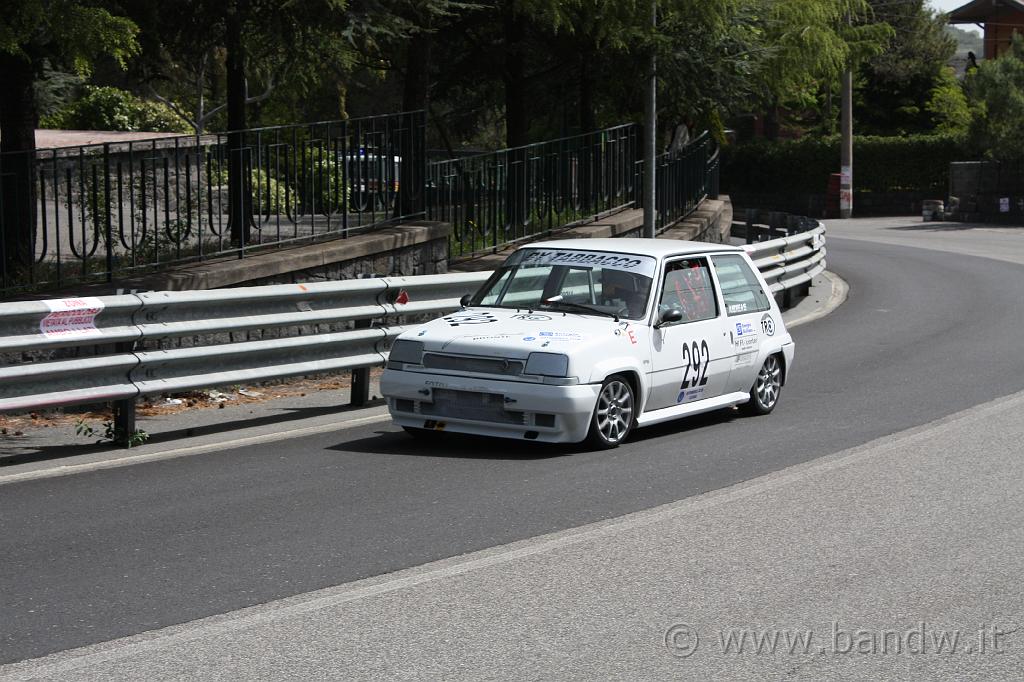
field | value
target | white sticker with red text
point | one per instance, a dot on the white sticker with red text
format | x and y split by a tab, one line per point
71	317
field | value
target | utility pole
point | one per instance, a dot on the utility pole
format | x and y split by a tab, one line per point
846	148
651	131
846	145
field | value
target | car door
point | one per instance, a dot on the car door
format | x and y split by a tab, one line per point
690	357
748	309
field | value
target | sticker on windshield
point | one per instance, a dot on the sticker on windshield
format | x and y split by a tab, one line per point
643	265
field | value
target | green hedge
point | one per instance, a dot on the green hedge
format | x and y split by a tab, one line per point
106	108
917	163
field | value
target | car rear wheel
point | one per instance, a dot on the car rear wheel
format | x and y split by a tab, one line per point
613	415
764	394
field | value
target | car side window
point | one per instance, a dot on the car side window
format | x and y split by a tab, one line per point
687	286
740	289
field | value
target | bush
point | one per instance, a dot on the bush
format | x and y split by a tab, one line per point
916	163
269	194
106	108
321	181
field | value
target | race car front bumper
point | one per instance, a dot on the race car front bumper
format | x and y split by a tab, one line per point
490	407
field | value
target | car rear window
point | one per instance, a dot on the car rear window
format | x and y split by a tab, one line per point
740	289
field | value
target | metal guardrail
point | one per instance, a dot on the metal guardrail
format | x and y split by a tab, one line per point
790	261
116	327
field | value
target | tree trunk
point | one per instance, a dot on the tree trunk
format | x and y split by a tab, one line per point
18	118
588	121
517	122
771	121
414	98
239	161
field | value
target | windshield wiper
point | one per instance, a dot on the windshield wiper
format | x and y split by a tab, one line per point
557	301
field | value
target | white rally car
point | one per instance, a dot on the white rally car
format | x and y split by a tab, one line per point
586	339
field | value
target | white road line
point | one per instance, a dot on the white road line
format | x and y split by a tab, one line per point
69	469
67	661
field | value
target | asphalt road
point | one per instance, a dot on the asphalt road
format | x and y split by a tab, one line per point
96	556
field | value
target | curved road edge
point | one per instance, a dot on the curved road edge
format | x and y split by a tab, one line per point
828	292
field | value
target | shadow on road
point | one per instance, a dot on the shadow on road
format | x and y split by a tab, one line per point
29	450
950	227
453	446
462	446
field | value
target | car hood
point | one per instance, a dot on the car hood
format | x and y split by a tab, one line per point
517	333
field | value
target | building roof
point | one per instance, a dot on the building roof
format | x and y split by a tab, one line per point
981	11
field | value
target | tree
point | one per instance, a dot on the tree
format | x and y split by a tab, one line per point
997	93
948	105
895	85
807	44
266	41
35	34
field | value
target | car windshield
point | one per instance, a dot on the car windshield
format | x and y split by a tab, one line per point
605	282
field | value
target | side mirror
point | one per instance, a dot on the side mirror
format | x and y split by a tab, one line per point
464	301
669	316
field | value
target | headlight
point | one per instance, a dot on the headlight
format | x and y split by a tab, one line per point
407	351
547	364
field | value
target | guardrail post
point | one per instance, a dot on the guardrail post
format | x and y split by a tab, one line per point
793	223
361	377
124	410
751	213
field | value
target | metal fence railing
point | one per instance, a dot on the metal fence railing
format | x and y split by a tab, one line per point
714	170
503	197
101	211
682	179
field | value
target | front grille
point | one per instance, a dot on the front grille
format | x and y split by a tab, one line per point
470	364
486	407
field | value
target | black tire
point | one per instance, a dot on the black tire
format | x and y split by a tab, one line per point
764	394
614	414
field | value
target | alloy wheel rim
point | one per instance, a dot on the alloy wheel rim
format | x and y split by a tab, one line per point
614	411
769	379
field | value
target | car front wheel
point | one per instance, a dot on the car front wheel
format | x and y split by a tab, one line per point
764	394
613	415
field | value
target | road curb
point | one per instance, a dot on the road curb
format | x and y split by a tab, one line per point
813	308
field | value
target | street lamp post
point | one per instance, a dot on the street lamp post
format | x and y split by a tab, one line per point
650	132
